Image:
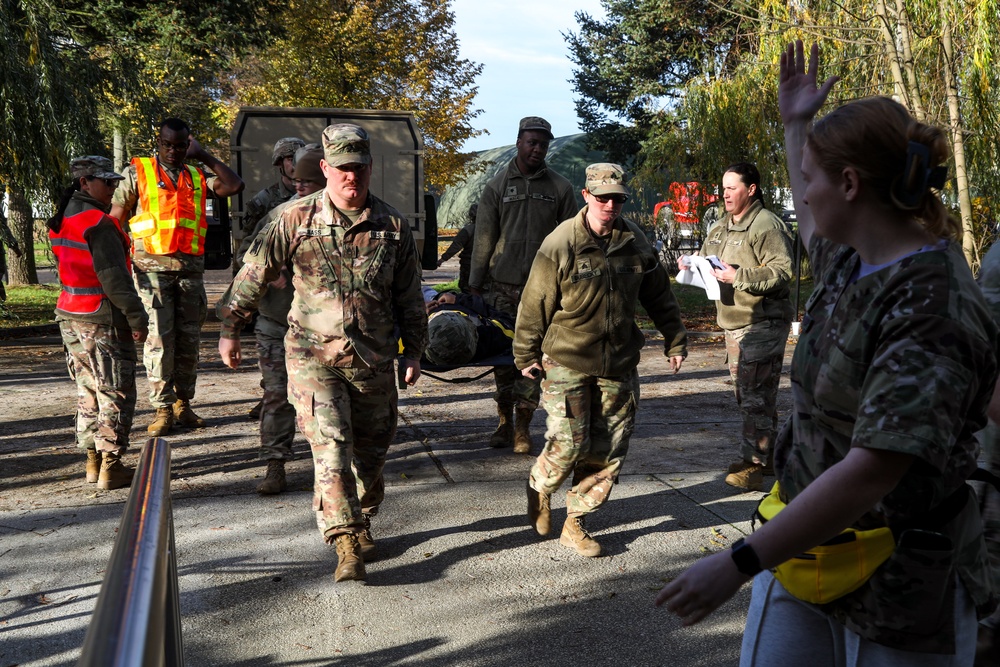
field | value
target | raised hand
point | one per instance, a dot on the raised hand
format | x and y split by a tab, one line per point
799	98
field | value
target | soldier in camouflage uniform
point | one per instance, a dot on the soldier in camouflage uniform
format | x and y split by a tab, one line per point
576	328
518	208
277	416
891	379
6	238
462	245
755	312
171	284
356	278
989	631
282	157
100	317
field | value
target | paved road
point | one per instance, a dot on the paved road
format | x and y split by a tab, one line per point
462	579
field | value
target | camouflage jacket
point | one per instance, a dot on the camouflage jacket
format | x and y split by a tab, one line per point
902	360
515	213
354	283
262	203
122	308
760	247
127	196
6	236
579	304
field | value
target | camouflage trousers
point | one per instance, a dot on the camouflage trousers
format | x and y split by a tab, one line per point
101	359
348	415
590	421
513	389
755	354
277	416
177	306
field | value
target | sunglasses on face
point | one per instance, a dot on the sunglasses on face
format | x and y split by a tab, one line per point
177	147
604	199
110	182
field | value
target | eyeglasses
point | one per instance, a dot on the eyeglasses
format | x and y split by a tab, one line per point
177	147
110	182
604	199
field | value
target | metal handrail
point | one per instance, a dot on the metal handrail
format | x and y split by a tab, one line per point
137	617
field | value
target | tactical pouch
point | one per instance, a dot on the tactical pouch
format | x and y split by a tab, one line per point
832	569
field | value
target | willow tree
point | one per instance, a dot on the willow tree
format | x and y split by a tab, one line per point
372	54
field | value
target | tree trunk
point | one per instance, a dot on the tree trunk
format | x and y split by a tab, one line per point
21	270
119	149
906	40
969	242
892	54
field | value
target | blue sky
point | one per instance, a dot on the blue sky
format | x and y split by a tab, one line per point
526	65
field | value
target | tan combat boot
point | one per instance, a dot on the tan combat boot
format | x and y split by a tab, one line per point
274	481
114	474
93	465
522	434
163	423
350	567
576	537
367	542
504	435
749	478
539	511
185	416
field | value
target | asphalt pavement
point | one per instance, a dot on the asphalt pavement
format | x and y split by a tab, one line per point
462	579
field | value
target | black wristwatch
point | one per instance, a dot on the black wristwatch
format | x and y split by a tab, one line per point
746	558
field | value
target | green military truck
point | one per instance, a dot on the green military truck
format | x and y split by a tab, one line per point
397	165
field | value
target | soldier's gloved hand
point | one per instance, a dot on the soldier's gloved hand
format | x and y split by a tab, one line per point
139	335
230	351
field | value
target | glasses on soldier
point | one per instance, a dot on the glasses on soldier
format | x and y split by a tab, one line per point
110	182
177	147
604	199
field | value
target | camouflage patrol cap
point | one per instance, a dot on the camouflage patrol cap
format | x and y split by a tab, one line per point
285	148
346	143
452	338
536	124
305	166
95	166
605	178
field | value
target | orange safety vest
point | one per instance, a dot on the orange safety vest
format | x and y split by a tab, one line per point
173	217
81	290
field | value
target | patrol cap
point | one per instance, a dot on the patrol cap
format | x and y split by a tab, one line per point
606	178
452	338
285	148
305	165
535	123
346	143
95	166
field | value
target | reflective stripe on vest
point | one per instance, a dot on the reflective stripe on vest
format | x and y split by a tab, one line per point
81	290
173	217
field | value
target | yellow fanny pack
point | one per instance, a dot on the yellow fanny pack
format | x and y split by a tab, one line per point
836	567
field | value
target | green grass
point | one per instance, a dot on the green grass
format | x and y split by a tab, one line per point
28	305
43	255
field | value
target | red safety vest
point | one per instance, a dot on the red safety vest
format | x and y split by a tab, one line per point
173	217
81	290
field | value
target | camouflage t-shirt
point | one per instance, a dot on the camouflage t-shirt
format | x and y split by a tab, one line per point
902	360
127	196
355	283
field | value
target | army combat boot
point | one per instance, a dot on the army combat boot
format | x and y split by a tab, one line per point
350	567
93	465
539	512
522	434
185	416
504	435
750	477
274	481
163	423
114	474
367	542
254	414
576	537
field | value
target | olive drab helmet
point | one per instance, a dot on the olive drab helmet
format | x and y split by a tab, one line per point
285	148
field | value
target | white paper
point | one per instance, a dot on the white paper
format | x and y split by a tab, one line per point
699	274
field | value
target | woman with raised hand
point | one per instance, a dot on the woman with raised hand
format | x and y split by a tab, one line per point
891	377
